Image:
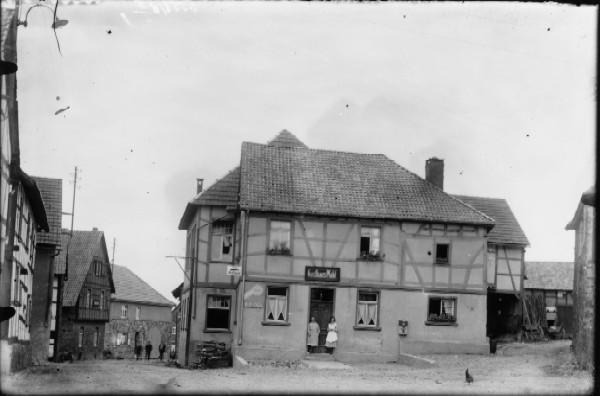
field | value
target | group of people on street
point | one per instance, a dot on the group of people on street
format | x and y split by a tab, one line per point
138	350
314	329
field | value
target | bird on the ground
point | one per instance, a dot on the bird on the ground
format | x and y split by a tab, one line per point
468	377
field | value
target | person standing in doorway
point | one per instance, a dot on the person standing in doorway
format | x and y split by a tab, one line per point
332	337
148	350
313	334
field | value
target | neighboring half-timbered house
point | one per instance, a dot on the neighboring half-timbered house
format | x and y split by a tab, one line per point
85	301
505	266
295	232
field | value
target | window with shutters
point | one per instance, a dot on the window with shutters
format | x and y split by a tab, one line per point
276	305
367	309
218	308
222	241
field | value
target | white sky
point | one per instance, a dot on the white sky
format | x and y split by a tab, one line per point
503	92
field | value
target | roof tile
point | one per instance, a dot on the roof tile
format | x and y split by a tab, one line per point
51	191
549	275
130	287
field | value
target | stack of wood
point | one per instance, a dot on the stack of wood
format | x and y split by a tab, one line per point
534	313
212	354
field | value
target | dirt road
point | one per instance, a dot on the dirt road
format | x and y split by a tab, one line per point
516	368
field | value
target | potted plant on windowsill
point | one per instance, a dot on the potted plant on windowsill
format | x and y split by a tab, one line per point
280	250
371	256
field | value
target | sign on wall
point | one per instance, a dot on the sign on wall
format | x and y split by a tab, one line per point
234	270
322	274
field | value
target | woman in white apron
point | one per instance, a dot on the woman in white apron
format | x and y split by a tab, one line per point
332	337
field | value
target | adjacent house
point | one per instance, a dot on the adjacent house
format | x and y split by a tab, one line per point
506	245
583	224
295	232
86	295
22	212
549	293
138	314
43	312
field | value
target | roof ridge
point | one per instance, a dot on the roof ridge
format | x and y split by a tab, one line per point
315	149
441	190
141	280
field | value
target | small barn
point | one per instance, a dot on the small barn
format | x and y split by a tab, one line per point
549	294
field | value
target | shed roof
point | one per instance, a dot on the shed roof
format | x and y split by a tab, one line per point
83	247
130	287
51	192
507	229
549	275
324	182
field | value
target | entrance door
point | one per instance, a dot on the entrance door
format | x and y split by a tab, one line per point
321	307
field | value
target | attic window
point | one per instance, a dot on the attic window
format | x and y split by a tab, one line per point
442	253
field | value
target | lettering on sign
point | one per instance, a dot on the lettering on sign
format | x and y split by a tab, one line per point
253	304
322	274
234	270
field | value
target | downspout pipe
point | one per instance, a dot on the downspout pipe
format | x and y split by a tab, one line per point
242	291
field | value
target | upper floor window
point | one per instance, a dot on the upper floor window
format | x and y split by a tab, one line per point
102	299
442	253
217	312
280	237
138	312
369	242
88	298
222	241
123	311
277	303
367	309
441	310
174	330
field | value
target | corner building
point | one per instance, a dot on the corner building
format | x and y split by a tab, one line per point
295	232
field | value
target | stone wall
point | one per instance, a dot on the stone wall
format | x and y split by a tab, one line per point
147	330
583	290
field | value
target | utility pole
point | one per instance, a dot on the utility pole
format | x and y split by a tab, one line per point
72	214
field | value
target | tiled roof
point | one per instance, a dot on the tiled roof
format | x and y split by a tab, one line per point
507	229
51	191
83	247
224	192
549	275
324	182
130	287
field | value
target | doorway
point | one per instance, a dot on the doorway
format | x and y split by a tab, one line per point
321	307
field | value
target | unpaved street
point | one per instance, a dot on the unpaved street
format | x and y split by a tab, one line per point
516	368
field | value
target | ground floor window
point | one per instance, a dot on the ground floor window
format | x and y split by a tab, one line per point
277	303
367	309
96	336
441	310
122	339
217	312
80	340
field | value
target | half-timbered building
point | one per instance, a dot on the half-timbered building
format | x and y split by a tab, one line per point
295	232
506	244
85	303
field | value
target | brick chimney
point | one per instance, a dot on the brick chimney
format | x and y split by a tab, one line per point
434	171
199	183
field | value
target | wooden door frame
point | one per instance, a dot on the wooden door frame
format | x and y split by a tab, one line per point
310	288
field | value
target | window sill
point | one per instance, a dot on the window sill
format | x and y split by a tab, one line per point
285	254
221	261
442	263
433	323
370	259
217	331
274	323
367	328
